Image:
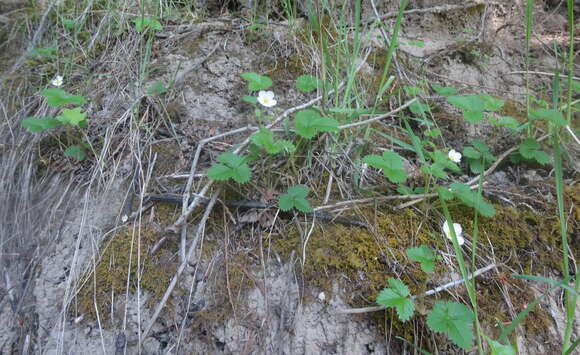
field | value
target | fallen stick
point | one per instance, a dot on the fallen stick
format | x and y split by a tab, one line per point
425	294
182	266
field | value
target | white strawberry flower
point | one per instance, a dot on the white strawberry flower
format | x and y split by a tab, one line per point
266	98
458	232
57	81
454	156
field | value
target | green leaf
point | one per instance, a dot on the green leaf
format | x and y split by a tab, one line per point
575	86
256	81
265	138
476	166
491	103
473	116
472	199
549	115
142	23
418	108
412	90
157	89
35	124
397	296
433	133
497	348
471	152
250	99
404	190
69	24
505	121
444	193
295	198
390	163
308	83
48	52
455	320
530	150
58	97
309	122
75	151
445	90
72	117
220	172
423	255
467	103
541	157
232	167
419	44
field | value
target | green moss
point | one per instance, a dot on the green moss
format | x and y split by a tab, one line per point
118	262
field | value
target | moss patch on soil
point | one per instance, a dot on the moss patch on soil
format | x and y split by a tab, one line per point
126	256
361	261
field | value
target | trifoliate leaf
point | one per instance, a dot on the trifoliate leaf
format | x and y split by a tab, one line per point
76	152
472	199
142	23
309	122
455	320
445	90
404	190
549	115
412	90
58	97
265	138
72	117
433	133
418	108
308	83
48	52
505	121
575	86
256	81
397	296
491	103
528	146
35	124
295	198
530	150
473	116
467	103
541	157
157	89
233	166
444	193
220	172
69	24
498	348
470	152
250	99
390	163
423	255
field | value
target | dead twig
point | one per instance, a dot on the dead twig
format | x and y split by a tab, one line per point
379	117
425	294
432	10
182	266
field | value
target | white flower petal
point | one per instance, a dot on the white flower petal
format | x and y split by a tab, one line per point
458	232
57	81
266	98
266	94
321	297
454	156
